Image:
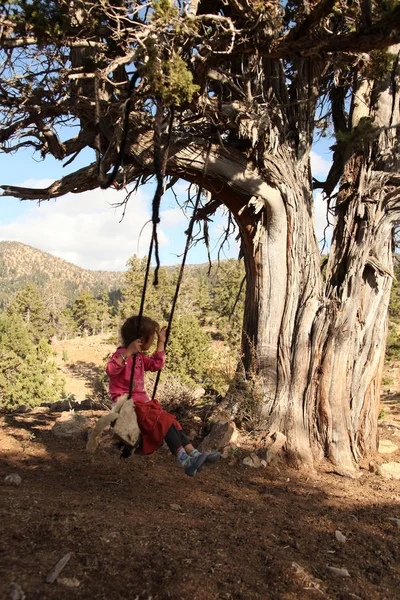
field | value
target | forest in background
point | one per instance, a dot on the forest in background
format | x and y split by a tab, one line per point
46	298
38	310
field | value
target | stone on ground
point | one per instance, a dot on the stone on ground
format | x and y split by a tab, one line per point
70	425
390	470
340	537
13	479
222	434
253	461
278	443
387	447
343	572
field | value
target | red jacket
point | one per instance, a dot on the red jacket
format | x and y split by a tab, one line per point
153	421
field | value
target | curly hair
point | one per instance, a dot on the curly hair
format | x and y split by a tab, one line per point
130	331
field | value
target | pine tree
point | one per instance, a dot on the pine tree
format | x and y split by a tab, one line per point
228	294
30	305
189	350
132	287
27	373
85	313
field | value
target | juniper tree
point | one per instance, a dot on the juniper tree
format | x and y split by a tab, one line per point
228	93
27	373
29	303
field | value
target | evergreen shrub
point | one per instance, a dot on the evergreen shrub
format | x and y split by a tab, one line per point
27	374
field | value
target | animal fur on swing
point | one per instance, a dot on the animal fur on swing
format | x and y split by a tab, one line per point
126	427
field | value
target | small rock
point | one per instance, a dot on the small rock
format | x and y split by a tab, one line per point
340	537
256	459
389	470
273	451
13	479
341	572
16	592
395	521
58	567
198	393
40	410
70	425
387	447
220	435
175	507
70	582
253	461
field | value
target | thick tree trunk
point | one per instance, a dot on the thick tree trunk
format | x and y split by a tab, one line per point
319	346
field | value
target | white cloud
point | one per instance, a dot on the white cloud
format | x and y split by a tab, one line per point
173	216
88	230
85	228
319	166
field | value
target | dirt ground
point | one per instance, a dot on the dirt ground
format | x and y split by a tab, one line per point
139	529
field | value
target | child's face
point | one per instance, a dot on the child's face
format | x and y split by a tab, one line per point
147	344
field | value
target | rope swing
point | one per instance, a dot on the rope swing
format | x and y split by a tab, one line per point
160	163
123	415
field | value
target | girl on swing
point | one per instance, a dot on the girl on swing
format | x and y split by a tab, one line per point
156	425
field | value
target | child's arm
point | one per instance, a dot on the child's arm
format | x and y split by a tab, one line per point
161	335
157	360
119	360
133	348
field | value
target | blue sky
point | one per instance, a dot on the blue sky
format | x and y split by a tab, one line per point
86	229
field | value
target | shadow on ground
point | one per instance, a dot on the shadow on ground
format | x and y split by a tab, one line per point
140	529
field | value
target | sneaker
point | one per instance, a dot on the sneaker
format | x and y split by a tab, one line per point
193	467
211	459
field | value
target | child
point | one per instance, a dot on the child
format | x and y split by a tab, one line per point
156	425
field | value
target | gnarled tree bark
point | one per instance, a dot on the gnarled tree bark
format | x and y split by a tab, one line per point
260	81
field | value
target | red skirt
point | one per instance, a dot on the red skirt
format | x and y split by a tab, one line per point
154	423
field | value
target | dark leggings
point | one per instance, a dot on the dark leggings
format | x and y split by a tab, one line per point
175	438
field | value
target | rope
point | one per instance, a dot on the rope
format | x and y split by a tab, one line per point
185	253
142	301
160	165
160	162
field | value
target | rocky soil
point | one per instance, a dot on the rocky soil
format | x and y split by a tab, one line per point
139	529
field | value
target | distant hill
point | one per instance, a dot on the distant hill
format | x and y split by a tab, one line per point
21	264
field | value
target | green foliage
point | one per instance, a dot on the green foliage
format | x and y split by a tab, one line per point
66	326
30	305
227	304
90	313
170	79
393	343
27	375
393	338
380	64
394	305
44	19
164	11
132	287
188	350
363	133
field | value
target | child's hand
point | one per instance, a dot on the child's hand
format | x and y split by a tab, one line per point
134	347
162	334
